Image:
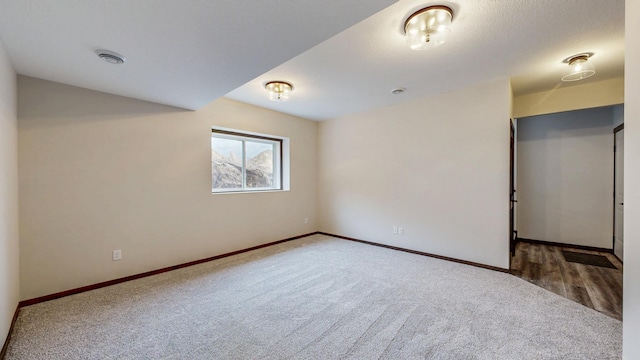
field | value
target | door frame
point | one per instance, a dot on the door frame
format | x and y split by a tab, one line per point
615	152
513	233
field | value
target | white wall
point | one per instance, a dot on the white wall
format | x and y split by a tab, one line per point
9	247
565	177
436	166
570	97
100	172
631	301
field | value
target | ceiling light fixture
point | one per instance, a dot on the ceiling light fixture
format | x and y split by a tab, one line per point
428	27
398	91
278	90
579	67
110	56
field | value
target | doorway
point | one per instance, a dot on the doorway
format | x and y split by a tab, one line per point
563	178
561	165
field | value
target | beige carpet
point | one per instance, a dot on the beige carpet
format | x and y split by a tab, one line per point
318	298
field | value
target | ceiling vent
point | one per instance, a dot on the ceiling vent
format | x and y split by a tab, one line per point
110	56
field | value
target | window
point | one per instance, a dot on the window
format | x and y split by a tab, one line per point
243	162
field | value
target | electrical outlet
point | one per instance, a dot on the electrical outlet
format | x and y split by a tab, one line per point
395	230
400	231
306	220
117	255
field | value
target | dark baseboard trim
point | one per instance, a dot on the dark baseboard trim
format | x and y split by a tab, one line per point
196	262
3	352
571	246
148	273
489	267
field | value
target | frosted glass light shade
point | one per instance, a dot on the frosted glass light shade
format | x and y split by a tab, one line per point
429	27
278	90
579	68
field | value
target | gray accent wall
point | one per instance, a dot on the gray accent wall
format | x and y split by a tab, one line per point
565	177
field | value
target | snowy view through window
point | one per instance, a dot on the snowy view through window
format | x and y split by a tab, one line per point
227	154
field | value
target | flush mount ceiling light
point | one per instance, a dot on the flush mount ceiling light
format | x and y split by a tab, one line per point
278	90
110	56
428	27
398	91
579	67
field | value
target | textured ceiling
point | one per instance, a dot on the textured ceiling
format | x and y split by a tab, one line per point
519	39
188	53
181	53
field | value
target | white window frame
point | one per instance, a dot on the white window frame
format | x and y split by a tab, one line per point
280	160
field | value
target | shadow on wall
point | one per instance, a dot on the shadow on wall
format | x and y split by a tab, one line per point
576	123
92	106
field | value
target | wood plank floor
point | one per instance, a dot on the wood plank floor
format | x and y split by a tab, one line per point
596	287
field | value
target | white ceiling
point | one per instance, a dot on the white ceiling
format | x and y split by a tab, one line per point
180	53
188	53
524	40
